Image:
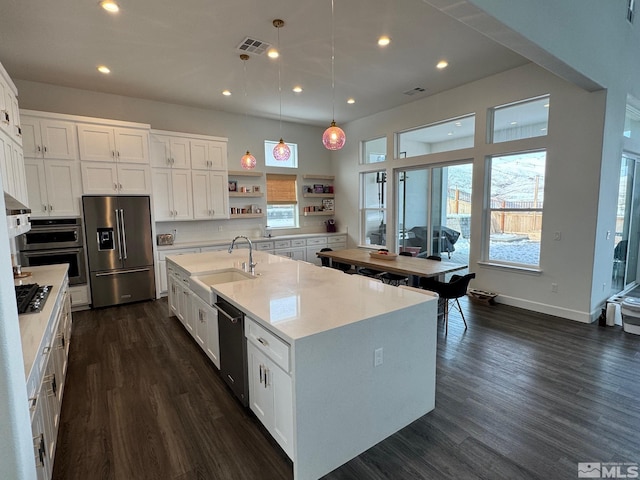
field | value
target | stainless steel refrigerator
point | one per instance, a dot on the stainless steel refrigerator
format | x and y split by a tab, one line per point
120	249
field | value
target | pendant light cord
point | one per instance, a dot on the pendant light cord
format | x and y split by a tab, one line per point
333	76
279	84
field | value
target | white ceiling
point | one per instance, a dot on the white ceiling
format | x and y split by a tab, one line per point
184	52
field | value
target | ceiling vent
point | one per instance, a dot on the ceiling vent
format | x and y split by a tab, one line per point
413	91
251	45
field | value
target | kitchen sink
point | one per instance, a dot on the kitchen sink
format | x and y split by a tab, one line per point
201	284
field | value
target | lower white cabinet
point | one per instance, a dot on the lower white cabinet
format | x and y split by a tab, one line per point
206	329
180	300
161	270
270	388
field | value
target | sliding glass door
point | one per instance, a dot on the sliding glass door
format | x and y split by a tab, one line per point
627	235
434	211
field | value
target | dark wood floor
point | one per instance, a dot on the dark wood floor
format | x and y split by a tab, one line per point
519	396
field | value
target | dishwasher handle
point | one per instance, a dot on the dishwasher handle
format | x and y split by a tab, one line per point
226	314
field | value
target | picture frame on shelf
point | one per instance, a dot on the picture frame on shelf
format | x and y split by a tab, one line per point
256	189
327	204
233	186
307	189
318	188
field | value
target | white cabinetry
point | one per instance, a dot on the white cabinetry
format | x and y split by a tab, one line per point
172	194
53	187
210	195
48	138
161	270
9	113
206	329
101	143
168	151
12	168
115	159
180	299
294	249
208	154
270	385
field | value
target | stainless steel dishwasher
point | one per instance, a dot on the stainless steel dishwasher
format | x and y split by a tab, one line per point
233	349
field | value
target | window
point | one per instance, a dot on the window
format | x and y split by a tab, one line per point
272	162
453	134
514	220
282	201
632	122
373	213
526	119
374	151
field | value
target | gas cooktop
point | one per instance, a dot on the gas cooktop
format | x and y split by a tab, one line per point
31	297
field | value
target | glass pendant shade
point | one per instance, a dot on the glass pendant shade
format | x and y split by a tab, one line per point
281	151
248	161
333	137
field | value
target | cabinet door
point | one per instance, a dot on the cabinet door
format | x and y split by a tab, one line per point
172	294
280	384
182	195
162	198
99	178
161	278
260	396
185	309
132	145
160	153
37	187
201	194
217	152
97	143
39	442
58	140
200	321
199	154
63	183
134	179
212	342
180	152
20	180
5	163
31	140
219	195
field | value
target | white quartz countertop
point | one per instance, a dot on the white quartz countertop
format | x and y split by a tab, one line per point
296	299
33	325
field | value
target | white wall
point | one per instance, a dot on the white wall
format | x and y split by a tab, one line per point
572	180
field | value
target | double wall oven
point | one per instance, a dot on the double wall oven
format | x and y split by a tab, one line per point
53	241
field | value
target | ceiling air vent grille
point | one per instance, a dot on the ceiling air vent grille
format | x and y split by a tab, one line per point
251	45
413	91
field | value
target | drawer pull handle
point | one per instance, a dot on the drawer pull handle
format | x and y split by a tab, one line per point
263	341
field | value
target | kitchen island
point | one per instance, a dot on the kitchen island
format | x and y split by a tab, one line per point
354	359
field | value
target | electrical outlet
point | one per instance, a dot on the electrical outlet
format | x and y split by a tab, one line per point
554	287
377	357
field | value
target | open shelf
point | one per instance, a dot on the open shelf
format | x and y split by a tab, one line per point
247	194
245	173
246	215
318	195
324	212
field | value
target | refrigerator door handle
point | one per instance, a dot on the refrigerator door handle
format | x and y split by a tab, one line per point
118	235
124	234
121	272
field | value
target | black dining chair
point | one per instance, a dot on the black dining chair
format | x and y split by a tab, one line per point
450	292
326	262
394	278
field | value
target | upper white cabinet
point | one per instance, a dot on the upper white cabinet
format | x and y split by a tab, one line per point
170	151
103	178
100	143
48	138
208	154
54	187
9	112
172	194
210	195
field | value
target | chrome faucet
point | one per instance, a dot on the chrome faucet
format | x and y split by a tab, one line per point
252	266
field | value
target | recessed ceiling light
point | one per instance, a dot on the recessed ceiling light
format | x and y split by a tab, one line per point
458	124
383	41
273	53
103	69
226	93
442	64
351	101
297	89
110	6
513	123
450	133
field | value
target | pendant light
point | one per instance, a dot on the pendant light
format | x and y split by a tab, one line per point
333	137
281	151
248	161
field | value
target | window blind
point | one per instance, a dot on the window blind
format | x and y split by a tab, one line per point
281	189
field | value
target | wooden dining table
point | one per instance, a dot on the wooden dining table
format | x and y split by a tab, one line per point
401	264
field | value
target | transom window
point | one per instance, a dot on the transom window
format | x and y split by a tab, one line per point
270	161
452	134
515	121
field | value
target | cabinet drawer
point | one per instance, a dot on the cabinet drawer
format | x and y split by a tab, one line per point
275	348
282	243
300	242
317	241
264	246
337	239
